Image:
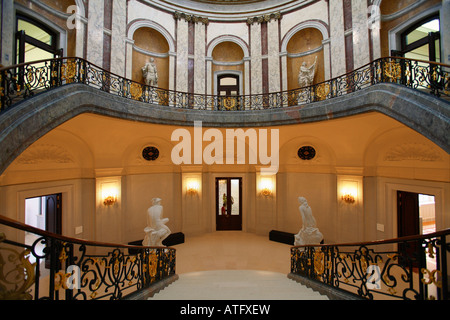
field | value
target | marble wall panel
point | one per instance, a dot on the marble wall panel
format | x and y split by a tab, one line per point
273	39
361	48
238	29
256	58
445	36
138	10
118	33
182	56
7	37
95	32
337	38
199	59
315	11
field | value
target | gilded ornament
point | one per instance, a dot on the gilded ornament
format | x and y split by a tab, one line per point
393	70
16	274
135	91
322	90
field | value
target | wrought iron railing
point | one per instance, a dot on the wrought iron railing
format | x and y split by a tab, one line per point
406	268
22	81
39	265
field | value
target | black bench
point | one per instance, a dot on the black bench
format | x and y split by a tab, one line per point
171	240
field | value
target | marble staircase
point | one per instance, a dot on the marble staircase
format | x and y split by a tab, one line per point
236	285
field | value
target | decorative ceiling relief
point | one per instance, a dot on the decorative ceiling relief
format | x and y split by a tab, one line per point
45	154
412	151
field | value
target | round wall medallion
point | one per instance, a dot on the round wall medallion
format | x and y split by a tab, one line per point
150	153
306	153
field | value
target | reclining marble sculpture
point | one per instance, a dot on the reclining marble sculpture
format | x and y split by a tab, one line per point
156	230
309	233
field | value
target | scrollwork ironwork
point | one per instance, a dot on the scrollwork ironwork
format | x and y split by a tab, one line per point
78	271
373	271
23	81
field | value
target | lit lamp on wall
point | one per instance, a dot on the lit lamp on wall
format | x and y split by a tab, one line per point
109	195
349	194
266	187
192	187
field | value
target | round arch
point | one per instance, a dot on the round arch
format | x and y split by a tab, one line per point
316	24
141	23
228	38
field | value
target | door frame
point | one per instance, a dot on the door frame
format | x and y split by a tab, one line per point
216	195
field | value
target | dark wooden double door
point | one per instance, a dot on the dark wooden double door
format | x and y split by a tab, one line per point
228	203
408	224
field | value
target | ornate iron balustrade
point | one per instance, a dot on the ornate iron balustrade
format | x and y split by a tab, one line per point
404	268
22	81
46	266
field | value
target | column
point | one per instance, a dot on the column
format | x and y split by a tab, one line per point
7	26
199	59
361	52
182	56
273	42
256	58
95	33
118	32
337	38
445	35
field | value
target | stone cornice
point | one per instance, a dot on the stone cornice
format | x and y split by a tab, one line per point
264	18
190	18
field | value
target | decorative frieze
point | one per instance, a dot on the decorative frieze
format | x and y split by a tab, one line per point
412	151
191	18
264	18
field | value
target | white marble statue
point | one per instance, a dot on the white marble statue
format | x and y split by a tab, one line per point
150	73
306	74
309	233
156	230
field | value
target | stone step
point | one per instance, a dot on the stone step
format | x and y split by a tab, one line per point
236	285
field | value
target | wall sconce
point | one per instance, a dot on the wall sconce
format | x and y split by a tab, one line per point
266	187
349	195
109	195
348	198
109	201
192	187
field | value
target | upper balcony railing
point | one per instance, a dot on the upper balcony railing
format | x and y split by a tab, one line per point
407	268
22	81
39	265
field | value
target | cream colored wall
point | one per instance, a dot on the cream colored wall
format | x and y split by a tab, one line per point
372	152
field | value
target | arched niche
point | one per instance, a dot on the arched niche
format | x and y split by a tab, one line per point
228	58
150	43
304	46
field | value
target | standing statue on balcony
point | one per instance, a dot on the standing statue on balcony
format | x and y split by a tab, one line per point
156	230
150	73
309	233
306	74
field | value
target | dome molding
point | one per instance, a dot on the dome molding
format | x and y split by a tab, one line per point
228	12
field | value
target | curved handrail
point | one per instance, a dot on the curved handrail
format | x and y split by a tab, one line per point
77	269
384	241
411	267
21	81
24	227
